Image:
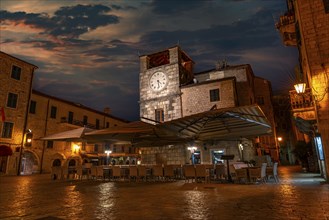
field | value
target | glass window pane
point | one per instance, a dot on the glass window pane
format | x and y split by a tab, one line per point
12	100
7	130
16	72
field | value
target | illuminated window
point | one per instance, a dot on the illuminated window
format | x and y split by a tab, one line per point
7	130
214	95
16	72
12	100
159	115
33	105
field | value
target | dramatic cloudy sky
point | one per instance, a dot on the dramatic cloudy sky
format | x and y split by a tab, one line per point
88	51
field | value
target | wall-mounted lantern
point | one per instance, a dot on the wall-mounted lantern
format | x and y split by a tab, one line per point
300	87
28	138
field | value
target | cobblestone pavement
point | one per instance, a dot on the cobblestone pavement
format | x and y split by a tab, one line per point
297	196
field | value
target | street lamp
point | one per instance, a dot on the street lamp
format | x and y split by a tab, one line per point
108	152
300	87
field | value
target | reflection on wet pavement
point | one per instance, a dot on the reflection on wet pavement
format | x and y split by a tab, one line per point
39	197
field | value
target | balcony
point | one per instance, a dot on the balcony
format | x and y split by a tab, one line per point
302	104
78	123
286	26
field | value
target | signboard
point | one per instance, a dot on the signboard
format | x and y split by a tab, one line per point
318	143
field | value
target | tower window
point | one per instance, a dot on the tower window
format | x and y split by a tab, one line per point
159	115
214	95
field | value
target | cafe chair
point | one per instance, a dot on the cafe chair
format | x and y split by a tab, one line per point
142	172
169	172
201	173
273	172
241	175
157	172
189	172
133	173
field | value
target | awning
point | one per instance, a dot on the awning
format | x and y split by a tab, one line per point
222	124
5	150
305	126
218	124
70	135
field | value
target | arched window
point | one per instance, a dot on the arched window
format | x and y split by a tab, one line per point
72	163
57	163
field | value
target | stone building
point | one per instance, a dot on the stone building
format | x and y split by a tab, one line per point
169	89
306	26
15	91
285	128
30	114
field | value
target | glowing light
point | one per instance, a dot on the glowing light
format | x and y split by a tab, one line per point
76	148
108	152
192	149
279	138
300	87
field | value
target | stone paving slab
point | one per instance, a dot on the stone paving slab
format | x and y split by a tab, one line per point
297	196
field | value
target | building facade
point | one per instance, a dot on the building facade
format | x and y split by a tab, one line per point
28	115
307	21
169	90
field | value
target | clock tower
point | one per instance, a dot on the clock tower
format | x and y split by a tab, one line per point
161	76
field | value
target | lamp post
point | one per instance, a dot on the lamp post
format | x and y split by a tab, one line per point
108	152
279	145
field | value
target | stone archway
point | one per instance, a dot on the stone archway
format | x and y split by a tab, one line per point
30	163
57	163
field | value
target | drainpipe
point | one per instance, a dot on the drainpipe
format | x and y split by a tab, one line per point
25	125
44	134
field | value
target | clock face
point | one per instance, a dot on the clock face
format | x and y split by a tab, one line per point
158	81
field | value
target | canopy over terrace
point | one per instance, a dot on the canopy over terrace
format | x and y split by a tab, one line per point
218	124
75	135
137	133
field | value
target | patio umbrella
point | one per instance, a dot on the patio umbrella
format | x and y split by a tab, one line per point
70	135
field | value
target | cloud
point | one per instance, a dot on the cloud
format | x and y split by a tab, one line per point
162	7
67	22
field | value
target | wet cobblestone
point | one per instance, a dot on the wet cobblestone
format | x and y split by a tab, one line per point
297	196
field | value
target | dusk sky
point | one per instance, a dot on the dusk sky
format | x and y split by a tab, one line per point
88	51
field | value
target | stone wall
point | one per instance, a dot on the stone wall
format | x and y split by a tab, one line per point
314	50
196	98
17	115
